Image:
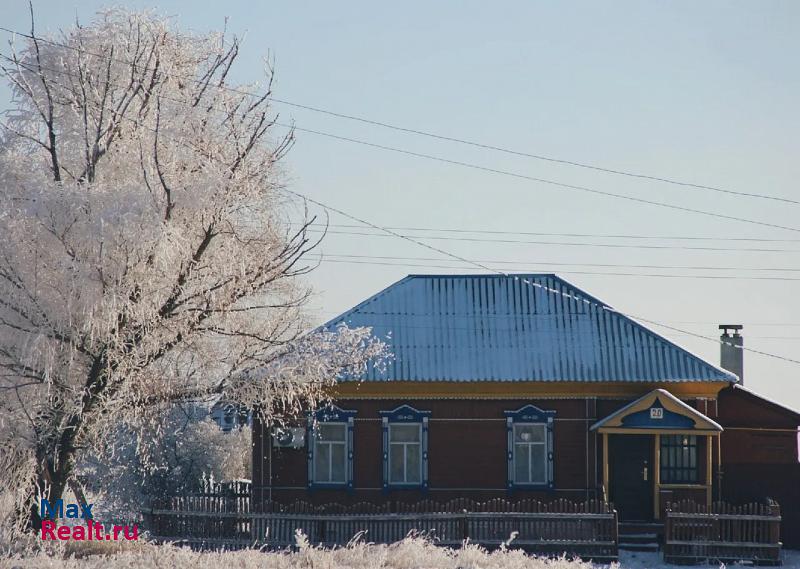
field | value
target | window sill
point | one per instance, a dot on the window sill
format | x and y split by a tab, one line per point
329	485
404	487
545	486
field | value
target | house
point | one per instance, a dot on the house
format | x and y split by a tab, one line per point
229	416
523	386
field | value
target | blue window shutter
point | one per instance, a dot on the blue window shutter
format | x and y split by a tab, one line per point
425	453
350	424
510	453
385	432
550	476
310	443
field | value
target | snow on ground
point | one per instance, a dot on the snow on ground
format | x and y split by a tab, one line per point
647	560
408	554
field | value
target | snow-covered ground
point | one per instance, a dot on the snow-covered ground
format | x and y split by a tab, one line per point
631	560
408	554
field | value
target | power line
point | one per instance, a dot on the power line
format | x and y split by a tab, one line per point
441	137
527	281
539	233
480	265
469	165
566	243
546	181
567	272
566	264
534	156
407	314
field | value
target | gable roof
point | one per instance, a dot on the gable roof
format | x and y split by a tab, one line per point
675	414
500	328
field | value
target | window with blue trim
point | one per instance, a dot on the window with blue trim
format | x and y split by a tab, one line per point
405	448
530	447
330	448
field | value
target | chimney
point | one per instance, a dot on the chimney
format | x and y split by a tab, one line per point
731	352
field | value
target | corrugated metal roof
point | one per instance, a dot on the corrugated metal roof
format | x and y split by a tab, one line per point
499	328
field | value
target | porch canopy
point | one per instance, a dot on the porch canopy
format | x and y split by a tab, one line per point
659	413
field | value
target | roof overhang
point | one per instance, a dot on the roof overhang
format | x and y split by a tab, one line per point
657	412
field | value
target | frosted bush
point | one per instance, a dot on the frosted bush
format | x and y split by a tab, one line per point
411	553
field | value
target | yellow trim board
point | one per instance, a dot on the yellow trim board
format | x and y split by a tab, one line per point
518	389
640	431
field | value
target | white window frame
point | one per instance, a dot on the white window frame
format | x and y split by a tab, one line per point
318	442
543	444
406	445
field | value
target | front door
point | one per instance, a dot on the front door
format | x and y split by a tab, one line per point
631	472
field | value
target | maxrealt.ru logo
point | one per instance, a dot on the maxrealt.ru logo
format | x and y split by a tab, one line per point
49	513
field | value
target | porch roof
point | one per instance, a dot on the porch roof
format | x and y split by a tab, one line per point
658	411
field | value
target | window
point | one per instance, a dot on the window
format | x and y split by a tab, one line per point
330	448
405	453
679	459
405	448
330	453
530	448
530	453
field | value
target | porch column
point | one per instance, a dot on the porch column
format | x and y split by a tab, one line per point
657	478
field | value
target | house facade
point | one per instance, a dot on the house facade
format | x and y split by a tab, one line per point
512	386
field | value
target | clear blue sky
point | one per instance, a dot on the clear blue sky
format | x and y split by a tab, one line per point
703	92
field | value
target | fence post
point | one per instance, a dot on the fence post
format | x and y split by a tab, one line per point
615	529
464	525
775	523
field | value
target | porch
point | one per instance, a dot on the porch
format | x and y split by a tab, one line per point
655	451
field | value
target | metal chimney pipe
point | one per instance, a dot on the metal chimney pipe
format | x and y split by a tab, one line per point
731	352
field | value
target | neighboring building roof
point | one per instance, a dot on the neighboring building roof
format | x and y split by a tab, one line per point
787	412
500	328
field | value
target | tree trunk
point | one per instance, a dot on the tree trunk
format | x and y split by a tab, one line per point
50	484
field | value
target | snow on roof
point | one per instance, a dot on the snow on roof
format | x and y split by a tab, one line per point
500	328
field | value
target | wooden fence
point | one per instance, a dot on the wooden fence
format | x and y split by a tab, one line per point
750	532
587	529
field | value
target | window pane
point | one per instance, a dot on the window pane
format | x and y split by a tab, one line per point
538	464
529	433
322	461
404	433
338	463
396	463
521	472
413	461
679	461
331	432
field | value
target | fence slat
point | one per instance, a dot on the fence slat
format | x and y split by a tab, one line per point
725	532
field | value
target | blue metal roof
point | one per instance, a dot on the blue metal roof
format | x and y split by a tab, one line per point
500	328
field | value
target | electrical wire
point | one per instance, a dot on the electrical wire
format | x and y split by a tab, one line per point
550	290
560	263
539	233
469	165
429	134
568	243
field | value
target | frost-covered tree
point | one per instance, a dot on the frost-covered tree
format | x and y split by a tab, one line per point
187	447
148	254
